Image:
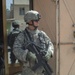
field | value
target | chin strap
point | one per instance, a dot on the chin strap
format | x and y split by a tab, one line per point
33	25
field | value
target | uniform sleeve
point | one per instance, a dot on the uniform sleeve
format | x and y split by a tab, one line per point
18	50
50	50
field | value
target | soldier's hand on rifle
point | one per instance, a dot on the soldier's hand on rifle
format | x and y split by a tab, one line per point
47	56
31	56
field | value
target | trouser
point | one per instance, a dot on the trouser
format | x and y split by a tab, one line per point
12	58
28	71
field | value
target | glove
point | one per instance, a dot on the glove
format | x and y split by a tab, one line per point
31	56
47	56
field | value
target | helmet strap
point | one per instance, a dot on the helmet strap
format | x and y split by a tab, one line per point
33	25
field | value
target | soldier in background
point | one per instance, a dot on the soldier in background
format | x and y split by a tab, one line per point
39	37
11	38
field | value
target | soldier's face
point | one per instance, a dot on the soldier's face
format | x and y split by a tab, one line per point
33	25
36	23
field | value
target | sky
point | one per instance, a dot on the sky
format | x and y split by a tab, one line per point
8	3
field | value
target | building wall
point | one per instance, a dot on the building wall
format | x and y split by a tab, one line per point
16	11
66	38
20	2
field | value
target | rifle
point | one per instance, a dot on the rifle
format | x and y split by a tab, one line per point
41	61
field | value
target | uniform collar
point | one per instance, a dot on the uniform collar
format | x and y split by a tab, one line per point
32	32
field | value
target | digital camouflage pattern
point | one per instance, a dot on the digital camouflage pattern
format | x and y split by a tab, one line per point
39	38
11	38
31	15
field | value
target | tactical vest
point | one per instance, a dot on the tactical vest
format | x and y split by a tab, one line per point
42	43
12	37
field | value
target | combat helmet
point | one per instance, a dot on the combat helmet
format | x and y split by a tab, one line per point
15	24
31	16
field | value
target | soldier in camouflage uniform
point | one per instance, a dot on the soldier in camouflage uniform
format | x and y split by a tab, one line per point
11	38
39	38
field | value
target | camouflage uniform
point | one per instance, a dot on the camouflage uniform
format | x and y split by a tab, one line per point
40	38
11	38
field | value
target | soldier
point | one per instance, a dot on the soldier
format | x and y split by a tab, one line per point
39	37
11	38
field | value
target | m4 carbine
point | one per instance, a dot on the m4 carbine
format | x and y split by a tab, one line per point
41	61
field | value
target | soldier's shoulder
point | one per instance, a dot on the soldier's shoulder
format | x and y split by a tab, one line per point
42	32
21	33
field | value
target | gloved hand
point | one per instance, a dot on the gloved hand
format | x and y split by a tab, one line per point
31	56
47	56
